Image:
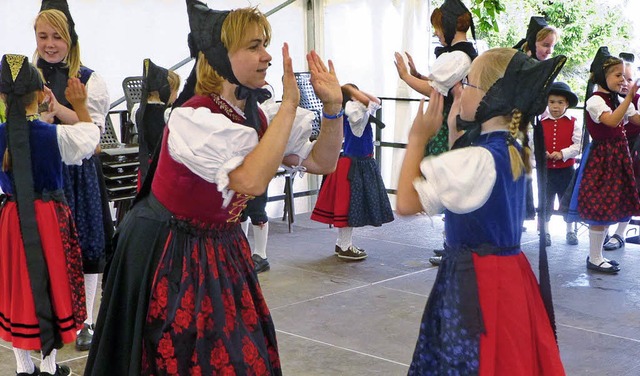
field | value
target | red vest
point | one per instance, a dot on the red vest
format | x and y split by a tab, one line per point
599	131
557	136
184	193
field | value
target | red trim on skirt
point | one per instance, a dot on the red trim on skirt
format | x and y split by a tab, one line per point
518	339
18	320
334	198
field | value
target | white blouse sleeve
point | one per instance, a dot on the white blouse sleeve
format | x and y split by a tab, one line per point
209	144
77	142
358	115
596	106
576	140
449	68
97	100
299	143
460	180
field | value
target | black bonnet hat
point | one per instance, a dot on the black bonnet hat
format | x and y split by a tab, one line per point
561	88
62	6
524	87
627	57
597	67
451	10
156	78
206	29
536	23
18	78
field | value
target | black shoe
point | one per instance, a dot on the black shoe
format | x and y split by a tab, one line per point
617	243
84	338
260	264
435	260
614	269
438	252
60	371
35	372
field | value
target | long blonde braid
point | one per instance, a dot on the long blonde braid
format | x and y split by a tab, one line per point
519	160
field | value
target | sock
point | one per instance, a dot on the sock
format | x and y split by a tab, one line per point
48	364
260	235
24	363
596	240
622	227
245	227
345	237
569	227
546	227
90	286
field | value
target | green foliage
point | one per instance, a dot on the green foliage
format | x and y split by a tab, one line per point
585	25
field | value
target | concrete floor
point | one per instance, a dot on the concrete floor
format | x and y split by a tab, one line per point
362	318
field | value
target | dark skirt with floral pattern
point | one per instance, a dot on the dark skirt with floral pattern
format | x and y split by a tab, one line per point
18	319
605	190
87	201
181	298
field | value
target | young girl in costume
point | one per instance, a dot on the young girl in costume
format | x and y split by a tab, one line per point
450	23
58	58
42	297
632	131
485	314
181	296
605	190
354	195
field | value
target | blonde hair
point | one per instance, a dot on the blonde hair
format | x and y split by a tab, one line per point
542	35
60	24
491	66
232	34
174	81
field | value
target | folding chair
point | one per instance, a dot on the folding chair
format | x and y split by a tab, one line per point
132	87
119	163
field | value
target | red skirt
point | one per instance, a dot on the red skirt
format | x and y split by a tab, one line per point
18	320
518	339
334	198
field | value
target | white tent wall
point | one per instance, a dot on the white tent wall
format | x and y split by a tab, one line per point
360	36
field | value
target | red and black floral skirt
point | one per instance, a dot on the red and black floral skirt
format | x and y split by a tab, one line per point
181	298
18	320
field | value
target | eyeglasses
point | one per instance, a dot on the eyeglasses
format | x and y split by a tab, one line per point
465	82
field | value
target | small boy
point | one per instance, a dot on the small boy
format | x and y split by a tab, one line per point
562	138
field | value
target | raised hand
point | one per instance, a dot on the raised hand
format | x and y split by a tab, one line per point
76	92
325	82
291	93
412	67
401	66
427	124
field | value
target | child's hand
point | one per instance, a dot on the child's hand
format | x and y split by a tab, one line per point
290	91
325	83
48	113
401	66
412	67
427	124
76	93
633	89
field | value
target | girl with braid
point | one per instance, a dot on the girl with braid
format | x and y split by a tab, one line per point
485	314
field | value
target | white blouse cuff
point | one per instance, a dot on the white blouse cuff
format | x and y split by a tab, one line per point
431	204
